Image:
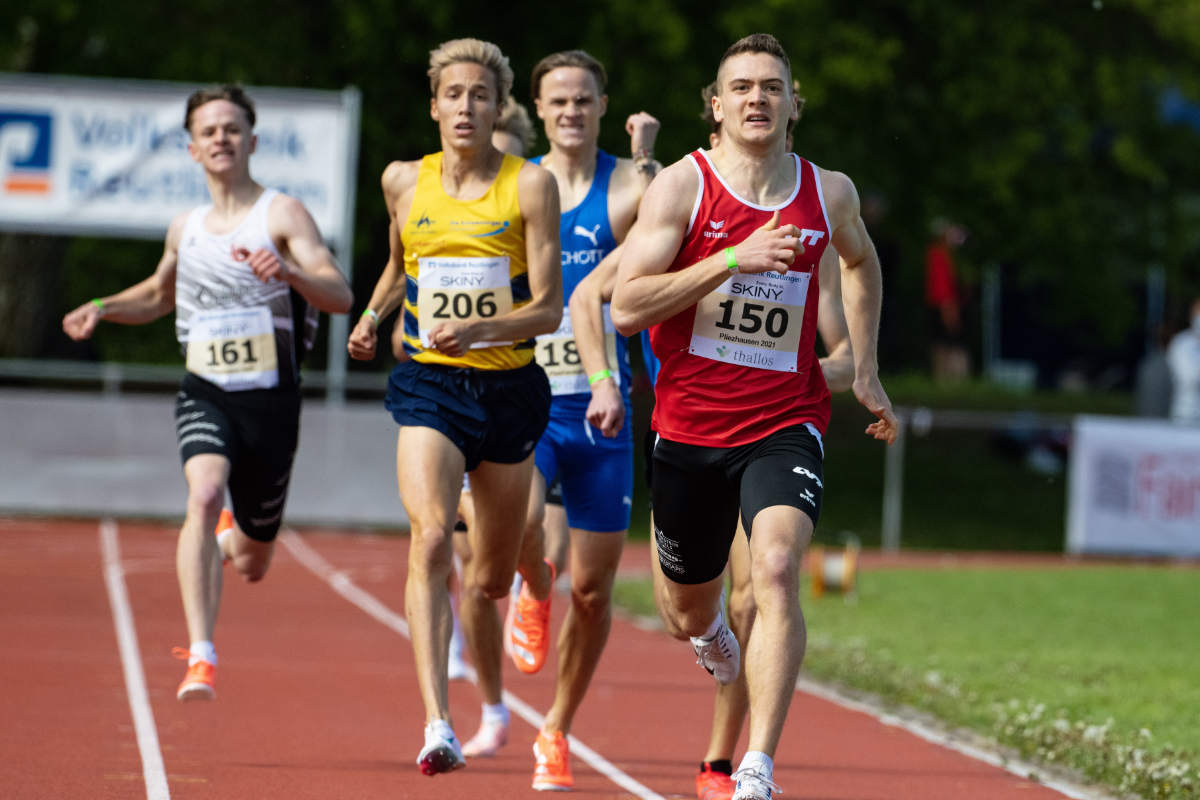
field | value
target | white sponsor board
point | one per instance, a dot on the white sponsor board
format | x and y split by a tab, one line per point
109	157
1134	487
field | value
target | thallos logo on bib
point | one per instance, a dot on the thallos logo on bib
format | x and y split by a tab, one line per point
753	321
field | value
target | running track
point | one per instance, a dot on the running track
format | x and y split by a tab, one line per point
317	696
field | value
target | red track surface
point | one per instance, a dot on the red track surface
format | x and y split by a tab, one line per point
316	699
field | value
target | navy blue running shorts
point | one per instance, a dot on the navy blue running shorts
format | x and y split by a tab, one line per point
490	415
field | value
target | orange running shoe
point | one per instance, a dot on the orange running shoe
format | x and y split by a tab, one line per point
199	681
530	639
553	770
713	785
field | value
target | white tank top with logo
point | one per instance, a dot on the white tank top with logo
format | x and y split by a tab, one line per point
235	330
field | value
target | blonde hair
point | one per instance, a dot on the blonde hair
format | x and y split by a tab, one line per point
473	51
514	119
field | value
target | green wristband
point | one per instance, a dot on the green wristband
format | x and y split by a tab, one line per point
98	303
596	377
373	314
730	259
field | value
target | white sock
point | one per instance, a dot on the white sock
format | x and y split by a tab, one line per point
202	651
515	589
497	713
440	728
716	625
758	761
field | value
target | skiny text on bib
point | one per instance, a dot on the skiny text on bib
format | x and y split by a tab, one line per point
460	289
234	348
753	321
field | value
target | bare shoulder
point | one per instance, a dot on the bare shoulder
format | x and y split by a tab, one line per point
287	209
175	230
399	177
673	191
537	191
535	178
399	181
841	198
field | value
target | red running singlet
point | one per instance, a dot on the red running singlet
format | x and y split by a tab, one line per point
741	364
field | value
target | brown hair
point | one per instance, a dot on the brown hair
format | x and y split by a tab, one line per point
706	96
472	51
230	91
757	43
567	58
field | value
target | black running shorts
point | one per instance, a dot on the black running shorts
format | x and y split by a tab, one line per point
257	430
697	491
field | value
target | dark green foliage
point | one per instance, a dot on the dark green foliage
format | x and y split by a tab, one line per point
1036	124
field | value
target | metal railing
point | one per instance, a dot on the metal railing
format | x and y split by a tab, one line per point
111	376
920	421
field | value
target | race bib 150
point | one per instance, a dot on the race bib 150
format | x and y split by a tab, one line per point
753	320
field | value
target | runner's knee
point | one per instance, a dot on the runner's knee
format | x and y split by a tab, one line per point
431	548
205	498
592	599
252	567
775	569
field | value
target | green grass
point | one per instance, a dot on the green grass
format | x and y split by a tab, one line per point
1091	668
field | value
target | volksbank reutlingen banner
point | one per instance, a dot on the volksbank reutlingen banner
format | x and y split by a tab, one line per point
1134	487
109	157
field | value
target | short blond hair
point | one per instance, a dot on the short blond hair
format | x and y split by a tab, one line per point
514	119
473	51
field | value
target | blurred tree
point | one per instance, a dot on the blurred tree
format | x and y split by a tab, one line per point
1040	126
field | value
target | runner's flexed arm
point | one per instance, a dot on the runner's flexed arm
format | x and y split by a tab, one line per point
838	365
606	409
538	196
307	266
145	301
861	292
646	293
399	181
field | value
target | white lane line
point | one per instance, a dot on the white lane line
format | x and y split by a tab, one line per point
131	663
342	584
1016	766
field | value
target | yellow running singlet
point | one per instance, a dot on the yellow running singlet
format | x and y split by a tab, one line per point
464	259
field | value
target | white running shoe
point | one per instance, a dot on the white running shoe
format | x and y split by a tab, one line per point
441	752
487	741
753	785
720	654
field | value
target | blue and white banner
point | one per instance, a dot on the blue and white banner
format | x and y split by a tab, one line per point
109	157
1134	487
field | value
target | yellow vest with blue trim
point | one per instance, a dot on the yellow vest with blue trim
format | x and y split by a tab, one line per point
464	259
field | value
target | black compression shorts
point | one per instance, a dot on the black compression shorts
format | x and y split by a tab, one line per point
697	492
257	430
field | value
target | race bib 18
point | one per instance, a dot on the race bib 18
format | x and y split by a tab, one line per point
559	357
